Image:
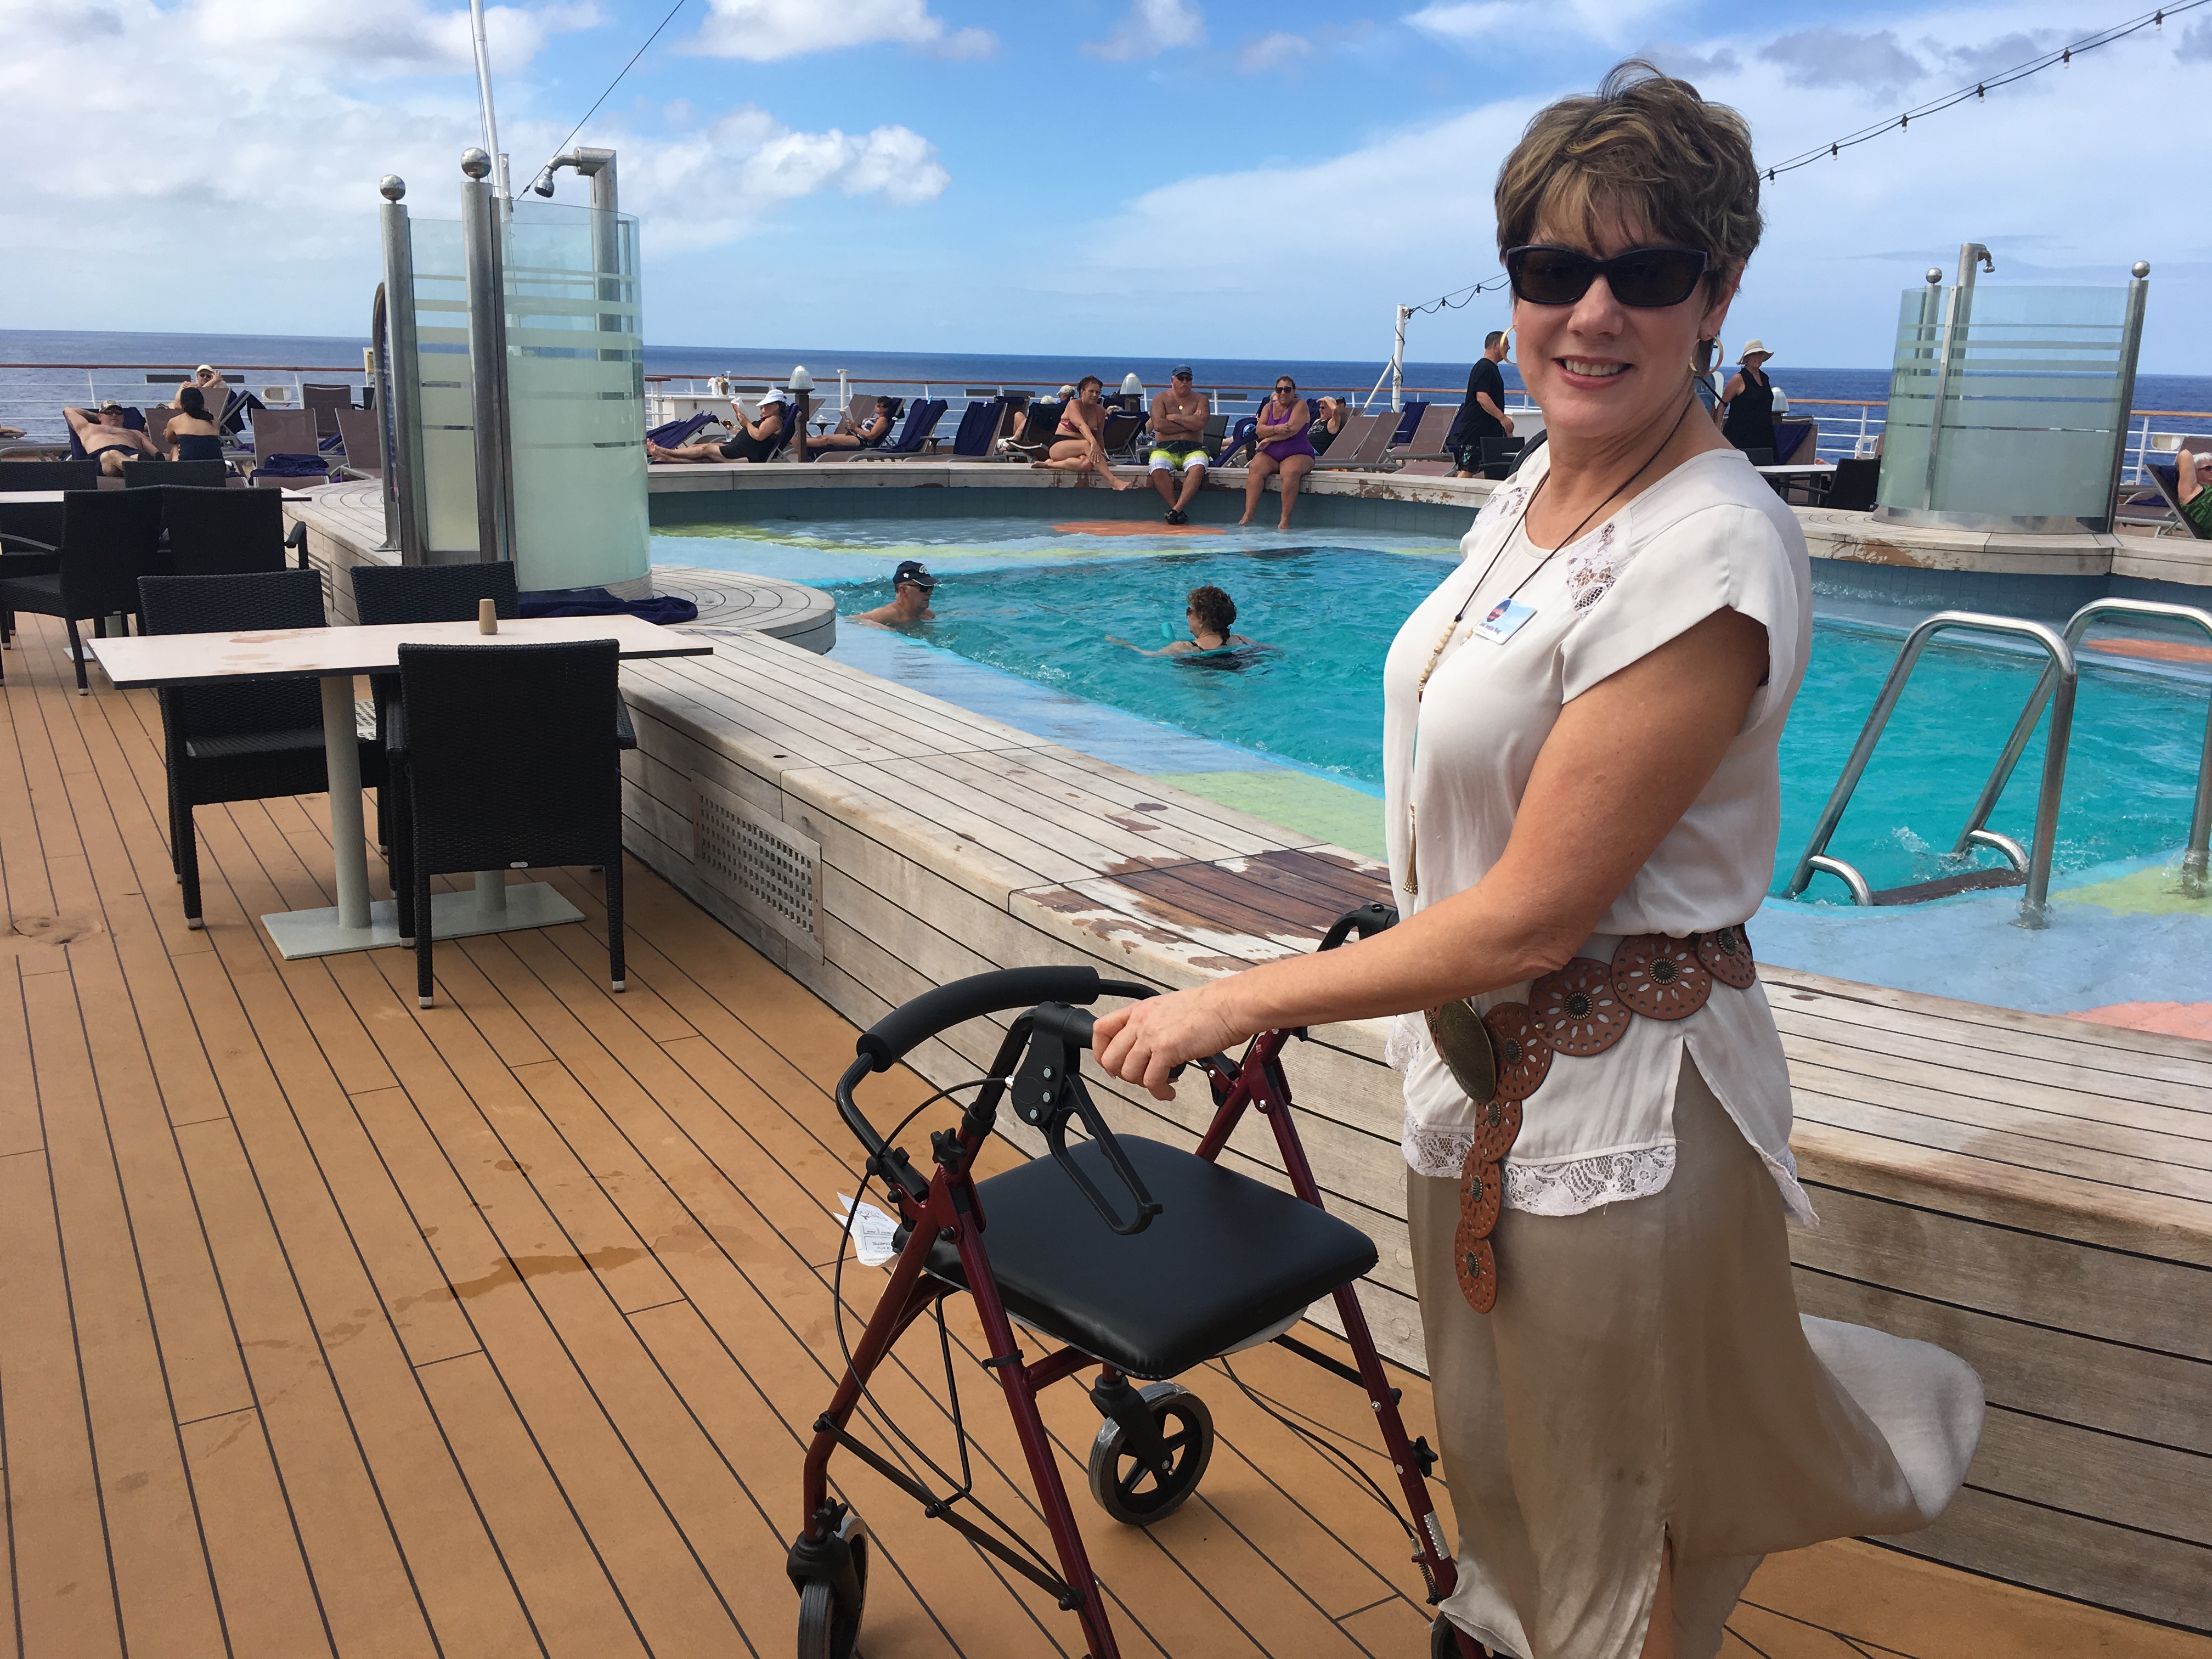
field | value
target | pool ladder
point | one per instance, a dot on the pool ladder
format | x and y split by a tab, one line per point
2056	685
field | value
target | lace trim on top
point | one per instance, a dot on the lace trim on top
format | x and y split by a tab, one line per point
1566	1188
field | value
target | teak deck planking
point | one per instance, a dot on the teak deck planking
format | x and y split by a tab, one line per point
2035	1192
330	1325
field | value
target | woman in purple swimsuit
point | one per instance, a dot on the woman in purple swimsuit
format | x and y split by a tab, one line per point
1282	447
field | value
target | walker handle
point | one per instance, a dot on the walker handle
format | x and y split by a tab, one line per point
908	1026
1367	921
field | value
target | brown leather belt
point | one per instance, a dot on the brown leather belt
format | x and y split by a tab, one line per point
1501	1057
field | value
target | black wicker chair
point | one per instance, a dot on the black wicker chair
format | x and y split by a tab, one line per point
510	762
430	592
109	538
222	531
246	741
195	475
17	475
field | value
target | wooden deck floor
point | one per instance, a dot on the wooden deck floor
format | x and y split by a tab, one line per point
328	1325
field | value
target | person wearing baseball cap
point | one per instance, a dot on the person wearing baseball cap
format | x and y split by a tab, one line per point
105	438
1179	444
911	586
1746	410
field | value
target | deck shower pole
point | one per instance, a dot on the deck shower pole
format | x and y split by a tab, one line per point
2130	346
1957	307
400	386
482	213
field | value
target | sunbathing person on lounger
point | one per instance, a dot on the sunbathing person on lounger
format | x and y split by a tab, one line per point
2193	489
192	435
850	435
106	440
1078	444
758	438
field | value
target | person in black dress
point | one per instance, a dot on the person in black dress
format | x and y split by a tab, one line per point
1746	410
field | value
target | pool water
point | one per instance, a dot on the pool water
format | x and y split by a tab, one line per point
1325	616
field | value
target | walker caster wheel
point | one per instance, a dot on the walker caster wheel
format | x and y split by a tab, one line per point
1129	1491
829	1614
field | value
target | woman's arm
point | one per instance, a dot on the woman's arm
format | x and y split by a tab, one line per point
1624	763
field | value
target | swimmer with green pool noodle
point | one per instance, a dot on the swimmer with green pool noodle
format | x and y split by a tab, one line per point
1210	614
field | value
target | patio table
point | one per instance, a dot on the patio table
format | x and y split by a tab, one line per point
333	656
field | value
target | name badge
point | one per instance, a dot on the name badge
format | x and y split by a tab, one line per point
1503	621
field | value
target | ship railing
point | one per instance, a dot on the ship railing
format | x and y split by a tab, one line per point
33	395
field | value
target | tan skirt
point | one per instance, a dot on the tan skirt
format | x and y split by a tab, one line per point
1645	1378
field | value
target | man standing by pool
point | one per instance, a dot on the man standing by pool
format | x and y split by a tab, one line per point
1179	443
1483	415
911	586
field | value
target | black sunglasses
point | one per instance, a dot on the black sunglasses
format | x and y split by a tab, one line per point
1646	278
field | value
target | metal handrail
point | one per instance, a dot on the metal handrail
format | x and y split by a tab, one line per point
2062	673
2194	860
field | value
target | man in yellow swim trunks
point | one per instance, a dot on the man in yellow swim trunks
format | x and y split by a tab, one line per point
1179	444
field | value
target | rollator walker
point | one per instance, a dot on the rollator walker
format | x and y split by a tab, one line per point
1185	1262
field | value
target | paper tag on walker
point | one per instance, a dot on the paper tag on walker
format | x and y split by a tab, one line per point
1503	621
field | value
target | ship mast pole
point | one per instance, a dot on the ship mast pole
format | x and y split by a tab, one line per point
483	98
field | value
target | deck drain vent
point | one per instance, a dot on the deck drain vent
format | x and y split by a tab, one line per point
772	871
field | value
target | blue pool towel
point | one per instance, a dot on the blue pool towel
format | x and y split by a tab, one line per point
663	608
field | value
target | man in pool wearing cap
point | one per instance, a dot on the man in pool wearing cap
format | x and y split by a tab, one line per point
756	439
1179	442
912	586
105	439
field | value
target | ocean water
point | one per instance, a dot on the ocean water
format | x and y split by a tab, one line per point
2153	390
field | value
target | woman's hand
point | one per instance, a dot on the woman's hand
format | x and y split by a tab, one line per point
1143	1042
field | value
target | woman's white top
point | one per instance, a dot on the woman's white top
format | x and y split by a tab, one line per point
1712	534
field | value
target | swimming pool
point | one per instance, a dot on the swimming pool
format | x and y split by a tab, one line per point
1326	615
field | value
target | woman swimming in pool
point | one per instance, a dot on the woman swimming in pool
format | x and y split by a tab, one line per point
1211	613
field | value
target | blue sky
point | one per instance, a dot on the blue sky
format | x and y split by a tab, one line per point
1154	177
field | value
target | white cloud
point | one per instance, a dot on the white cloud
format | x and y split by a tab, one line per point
1151	27
1274	51
260	209
400	37
1489	24
767	30
713	185
1875	62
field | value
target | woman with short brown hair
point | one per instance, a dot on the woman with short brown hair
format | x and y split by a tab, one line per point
1580	738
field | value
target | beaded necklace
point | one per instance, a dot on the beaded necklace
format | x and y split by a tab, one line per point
1443	641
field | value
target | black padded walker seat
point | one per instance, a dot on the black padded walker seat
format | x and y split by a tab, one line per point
1227	1259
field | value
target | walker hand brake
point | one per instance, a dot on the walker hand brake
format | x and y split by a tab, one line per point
1048	1092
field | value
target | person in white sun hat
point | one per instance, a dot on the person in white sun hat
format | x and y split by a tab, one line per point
1746	410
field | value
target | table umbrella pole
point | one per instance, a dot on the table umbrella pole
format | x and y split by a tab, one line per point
491	890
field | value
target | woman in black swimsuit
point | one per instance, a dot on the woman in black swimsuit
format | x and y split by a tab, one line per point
192	435
1746	410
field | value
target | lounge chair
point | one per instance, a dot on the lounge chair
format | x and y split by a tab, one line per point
1360	444
1240	441
1500	456
1409	421
1427	453
2168	480
979	430
362	432
289	432
1125	430
324	402
921	422
1032	441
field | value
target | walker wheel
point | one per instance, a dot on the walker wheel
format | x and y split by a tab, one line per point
1129	1491
828	1629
